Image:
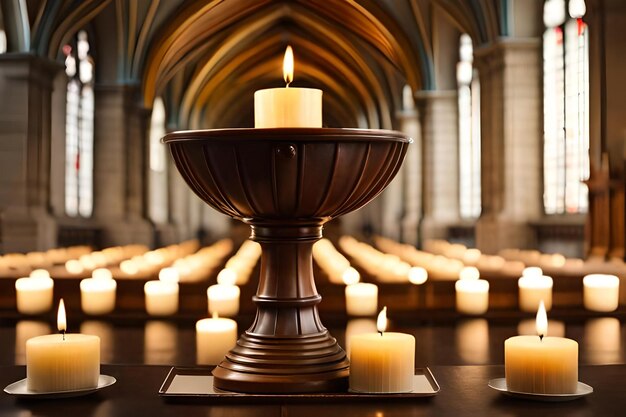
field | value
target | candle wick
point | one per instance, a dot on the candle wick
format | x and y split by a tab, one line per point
381	333
63	333
541	337
288	82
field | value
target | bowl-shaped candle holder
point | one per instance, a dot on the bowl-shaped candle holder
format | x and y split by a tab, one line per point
286	183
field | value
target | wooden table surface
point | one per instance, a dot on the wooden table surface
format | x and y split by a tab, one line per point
464	392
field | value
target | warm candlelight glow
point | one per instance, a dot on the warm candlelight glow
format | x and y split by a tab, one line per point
169	275
350	276
74	267
542	320
39	273
288	64
532	271
227	276
102	273
61	319
129	267
381	321
417	275
469	272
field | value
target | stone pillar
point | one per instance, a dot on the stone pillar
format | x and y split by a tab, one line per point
25	220
439	119
120	167
511	115
412	173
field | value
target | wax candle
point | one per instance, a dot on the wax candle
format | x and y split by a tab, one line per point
97	295
541	365
223	299
472	293
214	338
532	290
601	292
34	295
62	362
382	362
288	107
361	299
161	298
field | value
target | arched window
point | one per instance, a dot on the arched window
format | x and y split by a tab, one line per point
469	131
158	209
566	107
79	120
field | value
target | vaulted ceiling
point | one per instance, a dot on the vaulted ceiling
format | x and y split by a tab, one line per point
207	57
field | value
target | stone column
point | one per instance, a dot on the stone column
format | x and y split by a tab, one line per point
511	115
119	167
439	119
412	173
25	220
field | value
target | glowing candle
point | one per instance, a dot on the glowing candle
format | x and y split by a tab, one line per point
34	295
382	362
62	362
532	290
288	107
97	295
214	338
361	299
223	299
161	297
537	364
472	293
601	292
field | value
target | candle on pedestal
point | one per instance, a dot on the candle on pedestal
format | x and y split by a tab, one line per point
382	362
62	362
288	107
541	365
214	338
472	293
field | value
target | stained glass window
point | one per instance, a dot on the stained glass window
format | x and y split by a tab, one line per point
566	107
469	131
158	208
79	123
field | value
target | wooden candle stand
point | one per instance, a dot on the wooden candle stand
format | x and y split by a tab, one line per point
286	183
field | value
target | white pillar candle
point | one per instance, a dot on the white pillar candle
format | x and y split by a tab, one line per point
361	299
62	362
223	300
358	326
288	107
541	365
161	298
533	289
214	338
601	292
472	296
97	296
382	362
34	295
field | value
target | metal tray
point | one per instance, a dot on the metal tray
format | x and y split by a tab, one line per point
195	385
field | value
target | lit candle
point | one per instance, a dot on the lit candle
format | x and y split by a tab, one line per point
288	107
39	273
97	295
223	299
472	293
161	297
227	276
214	338
601	292
532	290
102	273
541	365
62	362
361	299
382	362
34	295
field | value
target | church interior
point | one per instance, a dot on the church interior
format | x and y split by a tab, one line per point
242	191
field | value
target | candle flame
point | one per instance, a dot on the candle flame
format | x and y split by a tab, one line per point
381	322
542	320
61	320
288	64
